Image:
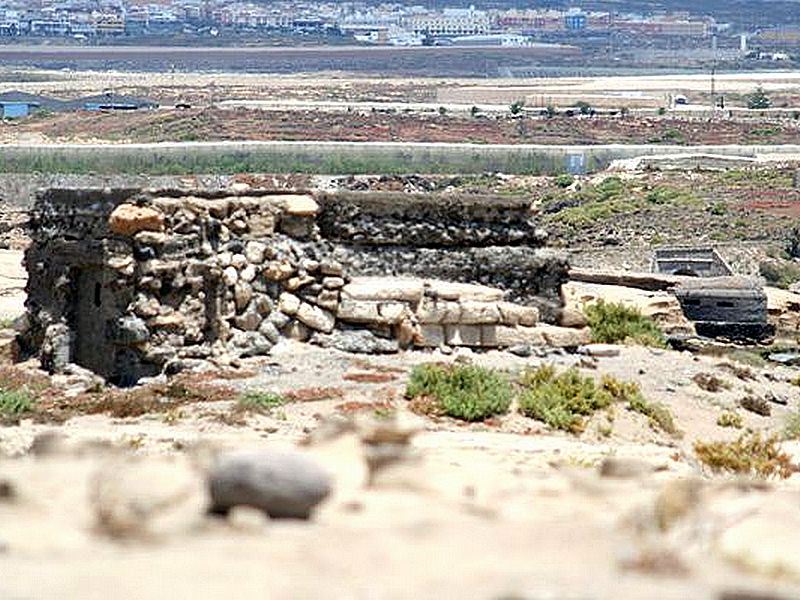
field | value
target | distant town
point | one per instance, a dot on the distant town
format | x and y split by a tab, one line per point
356	22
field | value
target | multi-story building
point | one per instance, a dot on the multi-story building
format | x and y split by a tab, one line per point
450	22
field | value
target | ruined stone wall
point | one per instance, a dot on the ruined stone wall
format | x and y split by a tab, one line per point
129	282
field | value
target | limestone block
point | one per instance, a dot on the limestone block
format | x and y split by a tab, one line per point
565	337
438	311
378	313
384	288
358	312
462	335
430	336
392	313
288	303
218	208
479	313
129	219
298	205
448	290
316	318
516	314
249	321
572	317
503	336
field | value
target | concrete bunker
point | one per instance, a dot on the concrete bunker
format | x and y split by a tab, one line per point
726	307
690	262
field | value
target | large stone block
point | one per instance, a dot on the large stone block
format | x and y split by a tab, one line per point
449	290
384	289
479	313
298	205
516	314
438	311
378	313
502	336
565	337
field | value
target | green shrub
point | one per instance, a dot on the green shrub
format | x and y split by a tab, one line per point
465	392
14	402
260	401
613	323
657	414
563	400
565	180
747	455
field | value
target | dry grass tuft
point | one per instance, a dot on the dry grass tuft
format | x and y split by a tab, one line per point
750	454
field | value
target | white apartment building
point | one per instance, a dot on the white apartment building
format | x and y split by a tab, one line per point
450	22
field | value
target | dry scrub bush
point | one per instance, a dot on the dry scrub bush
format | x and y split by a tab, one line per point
465	392
747	455
730	419
757	405
710	382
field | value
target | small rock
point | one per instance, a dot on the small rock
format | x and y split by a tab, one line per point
230	276
254	252
146	498
316	318
523	350
288	303
238	261
248	273
281	484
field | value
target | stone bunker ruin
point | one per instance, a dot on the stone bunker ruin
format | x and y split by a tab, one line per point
130	283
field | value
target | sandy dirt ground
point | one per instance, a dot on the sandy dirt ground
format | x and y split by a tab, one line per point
501	509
